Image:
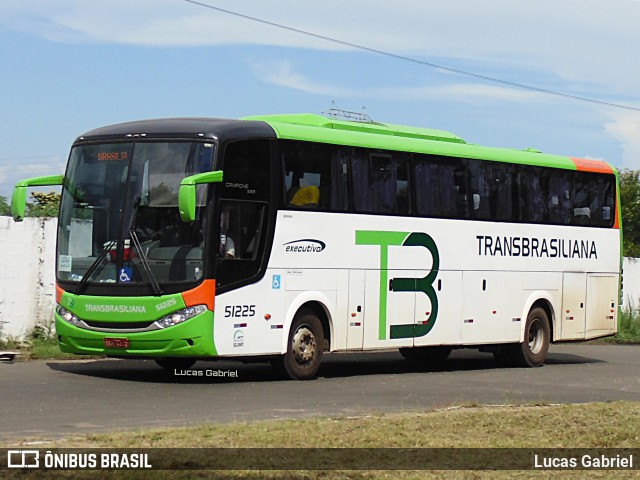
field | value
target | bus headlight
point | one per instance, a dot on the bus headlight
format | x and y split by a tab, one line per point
180	316
67	315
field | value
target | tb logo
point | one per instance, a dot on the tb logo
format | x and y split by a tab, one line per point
424	285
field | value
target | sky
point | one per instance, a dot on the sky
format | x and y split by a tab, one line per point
69	66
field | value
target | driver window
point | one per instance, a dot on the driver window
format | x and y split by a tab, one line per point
243	211
240	225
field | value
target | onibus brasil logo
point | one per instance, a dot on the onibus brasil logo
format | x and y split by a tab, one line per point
423	285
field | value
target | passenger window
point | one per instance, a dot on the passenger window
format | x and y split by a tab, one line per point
593	202
531	195
493	191
315	176
440	187
608	191
380	182
558	197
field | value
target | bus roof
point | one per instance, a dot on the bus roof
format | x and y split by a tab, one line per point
317	128
321	122
171	128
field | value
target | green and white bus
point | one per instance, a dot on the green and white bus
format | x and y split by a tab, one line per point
276	238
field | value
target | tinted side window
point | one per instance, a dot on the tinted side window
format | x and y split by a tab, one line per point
315	176
558	196
341	178
440	185
246	171
493	191
531	195
594	199
244	197
380	182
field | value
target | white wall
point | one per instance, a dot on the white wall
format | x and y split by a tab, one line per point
631	283
27	279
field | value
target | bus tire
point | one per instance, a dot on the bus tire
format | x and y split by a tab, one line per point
533	351
175	363
426	354
304	348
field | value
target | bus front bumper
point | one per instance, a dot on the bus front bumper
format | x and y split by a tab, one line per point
193	338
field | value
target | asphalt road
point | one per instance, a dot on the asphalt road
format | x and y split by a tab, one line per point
52	399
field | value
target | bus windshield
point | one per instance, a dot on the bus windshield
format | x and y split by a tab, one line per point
119	219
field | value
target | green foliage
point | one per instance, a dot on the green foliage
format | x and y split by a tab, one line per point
5	209
44	205
47	348
40	343
10	343
43	343
630	207
628	326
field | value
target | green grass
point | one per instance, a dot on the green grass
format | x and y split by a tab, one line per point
47	348
596	425
40	344
600	425
628	326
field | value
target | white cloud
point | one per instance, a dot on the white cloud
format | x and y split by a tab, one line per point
589	42
472	93
19	170
580	47
152	23
282	73
626	129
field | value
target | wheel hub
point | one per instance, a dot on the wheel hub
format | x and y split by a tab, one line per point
536	337
304	345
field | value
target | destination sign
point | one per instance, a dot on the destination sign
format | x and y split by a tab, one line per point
107	156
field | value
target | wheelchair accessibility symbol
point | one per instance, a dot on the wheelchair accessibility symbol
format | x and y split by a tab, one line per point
126	274
275	283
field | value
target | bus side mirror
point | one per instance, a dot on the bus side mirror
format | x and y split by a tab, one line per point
19	197
187	193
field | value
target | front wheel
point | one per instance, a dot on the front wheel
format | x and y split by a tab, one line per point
537	333
304	348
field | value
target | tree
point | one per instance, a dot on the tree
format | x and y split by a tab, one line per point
45	205
630	207
5	209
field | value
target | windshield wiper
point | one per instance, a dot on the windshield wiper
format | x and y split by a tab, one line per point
92	268
155	287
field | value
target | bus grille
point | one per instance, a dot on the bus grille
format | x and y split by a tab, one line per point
118	325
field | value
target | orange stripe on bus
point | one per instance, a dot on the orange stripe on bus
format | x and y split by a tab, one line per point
59	293
589	165
203	294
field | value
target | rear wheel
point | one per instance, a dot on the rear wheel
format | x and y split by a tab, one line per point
537	334
175	363
304	348
426	354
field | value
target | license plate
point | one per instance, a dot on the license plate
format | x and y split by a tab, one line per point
116	343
